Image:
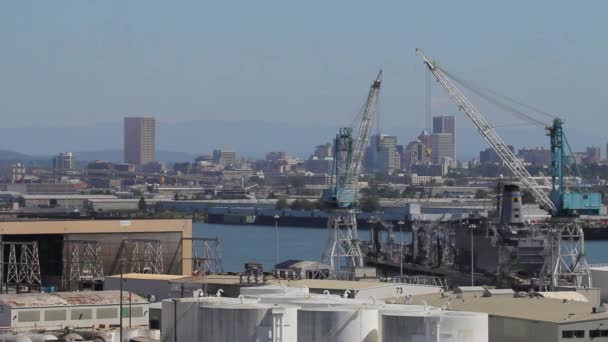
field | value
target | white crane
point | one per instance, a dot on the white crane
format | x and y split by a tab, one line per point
490	135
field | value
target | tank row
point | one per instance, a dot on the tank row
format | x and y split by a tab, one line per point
281	314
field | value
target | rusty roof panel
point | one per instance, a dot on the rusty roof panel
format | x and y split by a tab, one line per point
25	300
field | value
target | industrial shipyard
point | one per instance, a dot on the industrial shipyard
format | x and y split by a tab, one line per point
291	173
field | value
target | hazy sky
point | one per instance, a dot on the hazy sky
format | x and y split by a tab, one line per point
82	62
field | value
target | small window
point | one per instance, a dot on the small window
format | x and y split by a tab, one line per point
515	199
28	316
107	313
80	314
567	334
516	215
579	333
594	333
55	315
604	333
137	311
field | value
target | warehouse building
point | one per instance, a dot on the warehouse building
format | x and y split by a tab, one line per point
56	311
558	316
92	249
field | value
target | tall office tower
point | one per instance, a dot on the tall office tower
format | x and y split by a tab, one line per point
224	157
442	148
381	155
139	140
64	161
594	155
446	124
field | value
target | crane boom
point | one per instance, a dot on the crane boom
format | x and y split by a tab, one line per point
348	154
490	135
365	127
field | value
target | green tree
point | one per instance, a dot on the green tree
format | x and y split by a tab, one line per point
481	194
297	181
281	204
142	203
302	204
370	204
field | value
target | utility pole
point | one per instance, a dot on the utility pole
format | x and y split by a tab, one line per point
401	223
120	311
276	239
472	228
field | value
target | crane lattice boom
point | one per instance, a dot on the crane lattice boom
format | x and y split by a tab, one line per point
348	153
491	136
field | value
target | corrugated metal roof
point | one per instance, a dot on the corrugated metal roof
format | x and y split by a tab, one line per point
28	300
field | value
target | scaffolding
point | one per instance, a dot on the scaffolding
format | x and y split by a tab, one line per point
82	263
23	266
206	256
146	255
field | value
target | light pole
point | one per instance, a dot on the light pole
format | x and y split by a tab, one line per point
276	240
472	228
401	223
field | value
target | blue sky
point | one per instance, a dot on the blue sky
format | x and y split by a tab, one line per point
82	62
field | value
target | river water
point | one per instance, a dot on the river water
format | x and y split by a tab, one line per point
240	244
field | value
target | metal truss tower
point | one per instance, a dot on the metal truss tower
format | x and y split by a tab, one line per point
206	256
343	252
22	268
565	260
146	255
82	263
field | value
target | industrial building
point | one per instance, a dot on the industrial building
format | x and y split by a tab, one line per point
77	254
566	316
162	286
71	201
56	311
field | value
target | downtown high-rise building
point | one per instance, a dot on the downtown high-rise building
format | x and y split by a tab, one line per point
64	161
382	155
443	139
139	140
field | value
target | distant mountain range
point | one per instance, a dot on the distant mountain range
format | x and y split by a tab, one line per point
248	138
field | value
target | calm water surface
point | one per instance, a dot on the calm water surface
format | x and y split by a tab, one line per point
256	243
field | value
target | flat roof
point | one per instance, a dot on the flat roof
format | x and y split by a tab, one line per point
149	276
533	309
64	196
84	298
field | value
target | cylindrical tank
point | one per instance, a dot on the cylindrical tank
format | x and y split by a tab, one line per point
338	324
8	337
106	336
434	325
400	326
463	326
290	298
253	322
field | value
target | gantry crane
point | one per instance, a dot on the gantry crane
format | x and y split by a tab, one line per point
342	252
565	259
491	136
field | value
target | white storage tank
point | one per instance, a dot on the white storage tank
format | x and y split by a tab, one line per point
460	326
434	325
339	323
187	310
248	322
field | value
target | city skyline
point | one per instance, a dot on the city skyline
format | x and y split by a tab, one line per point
186	69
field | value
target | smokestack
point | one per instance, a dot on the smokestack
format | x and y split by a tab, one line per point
511	209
